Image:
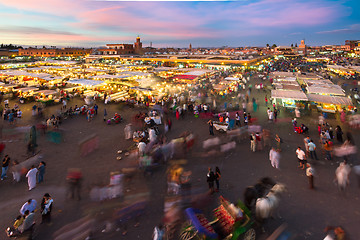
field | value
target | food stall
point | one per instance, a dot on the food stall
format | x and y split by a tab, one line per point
87	85
8	89
26	94
47	97
330	104
288	98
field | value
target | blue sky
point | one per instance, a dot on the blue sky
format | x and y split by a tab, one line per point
176	24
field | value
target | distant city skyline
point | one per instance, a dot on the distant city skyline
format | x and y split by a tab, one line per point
86	23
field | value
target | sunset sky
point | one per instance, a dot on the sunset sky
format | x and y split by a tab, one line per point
176	24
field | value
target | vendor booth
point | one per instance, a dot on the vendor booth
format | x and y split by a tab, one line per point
47	97
331	104
26	94
289	99
87	86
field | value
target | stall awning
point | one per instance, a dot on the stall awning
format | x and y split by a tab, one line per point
337	100
27	89
86	82
294	95
231	79
107	76
47	92
292	87
326	89
9	85
52	78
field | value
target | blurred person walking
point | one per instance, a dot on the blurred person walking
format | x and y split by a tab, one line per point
74	179
278	142
342	175
211	127
217	177
310	172
306	144
328	150
5	166
210	178
41	170
252	142
274	157
339	134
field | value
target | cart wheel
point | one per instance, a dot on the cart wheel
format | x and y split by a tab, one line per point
188	231
250	234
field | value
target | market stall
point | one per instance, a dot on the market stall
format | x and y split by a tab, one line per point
326	89
288	98
331	104
47	97
26	94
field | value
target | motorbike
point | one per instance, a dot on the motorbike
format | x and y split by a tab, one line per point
16	234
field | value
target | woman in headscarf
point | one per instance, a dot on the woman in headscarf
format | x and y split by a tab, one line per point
46	207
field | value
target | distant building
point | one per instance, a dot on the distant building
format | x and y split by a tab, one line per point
54	52
284	50
302	49
121	49
352	44
138	46
8	53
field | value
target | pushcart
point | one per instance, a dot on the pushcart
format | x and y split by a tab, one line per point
231	222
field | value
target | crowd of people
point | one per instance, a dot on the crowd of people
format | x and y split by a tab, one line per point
151	147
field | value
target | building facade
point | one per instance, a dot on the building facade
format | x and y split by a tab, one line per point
54	52
352	44
121	49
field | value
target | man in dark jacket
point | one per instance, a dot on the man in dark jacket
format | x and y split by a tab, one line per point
210	178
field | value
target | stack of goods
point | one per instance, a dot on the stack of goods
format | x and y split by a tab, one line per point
225	219
205	223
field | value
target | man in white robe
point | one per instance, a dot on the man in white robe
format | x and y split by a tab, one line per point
31	175
274	158
152	135
141	147
128	131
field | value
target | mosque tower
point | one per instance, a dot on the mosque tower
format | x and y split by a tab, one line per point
138	46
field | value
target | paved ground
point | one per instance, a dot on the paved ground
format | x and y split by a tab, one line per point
307	212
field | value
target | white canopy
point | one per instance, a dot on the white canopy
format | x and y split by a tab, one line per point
47	92
26	89
86	82
198	72
337	100
24	73
107	76
231	79
52	78
326	89
294	95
